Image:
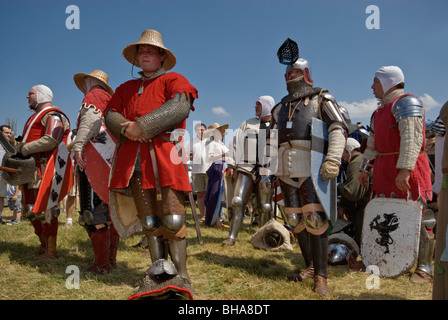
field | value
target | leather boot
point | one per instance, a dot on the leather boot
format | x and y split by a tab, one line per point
320	286
43	245
308	272
100	244
319	249
51	252
114	238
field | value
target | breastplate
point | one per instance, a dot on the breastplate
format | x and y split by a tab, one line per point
294	122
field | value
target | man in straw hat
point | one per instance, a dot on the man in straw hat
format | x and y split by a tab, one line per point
94	214
246	162
142	114
42	134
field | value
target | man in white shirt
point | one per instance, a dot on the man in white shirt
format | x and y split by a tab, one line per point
198	173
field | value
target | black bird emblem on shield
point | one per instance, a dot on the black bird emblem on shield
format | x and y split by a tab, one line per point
384	228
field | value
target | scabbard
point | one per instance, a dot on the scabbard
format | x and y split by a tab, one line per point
9	169
155	169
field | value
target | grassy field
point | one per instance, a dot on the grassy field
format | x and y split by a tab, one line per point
240	272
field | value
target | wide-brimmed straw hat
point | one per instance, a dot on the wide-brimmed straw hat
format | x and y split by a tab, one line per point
97	74
153	38
214	126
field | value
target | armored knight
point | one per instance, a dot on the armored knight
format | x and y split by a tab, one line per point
94	215
41	136
292	118
142	114
395	150
246	162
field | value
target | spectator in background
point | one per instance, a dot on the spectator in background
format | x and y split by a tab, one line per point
217	152
14	203
198	173
7	132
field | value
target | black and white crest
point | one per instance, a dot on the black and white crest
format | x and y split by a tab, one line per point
390	235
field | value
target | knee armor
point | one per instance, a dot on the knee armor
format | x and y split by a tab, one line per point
150	223
173	222
237	201
28	211
315	219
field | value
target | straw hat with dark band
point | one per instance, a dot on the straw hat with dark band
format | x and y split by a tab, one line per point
215	126
153	38
97	74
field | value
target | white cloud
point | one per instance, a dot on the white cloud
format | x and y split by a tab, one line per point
429	102
220	111
362	111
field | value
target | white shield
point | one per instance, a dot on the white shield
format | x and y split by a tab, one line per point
390	235
325	189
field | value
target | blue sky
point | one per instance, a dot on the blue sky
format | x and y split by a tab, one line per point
227	49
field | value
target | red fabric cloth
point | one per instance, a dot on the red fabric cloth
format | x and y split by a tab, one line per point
37	130
98	98
131	105
387	140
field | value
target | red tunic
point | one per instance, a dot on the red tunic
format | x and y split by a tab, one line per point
96	97
37	130
131	105
387	142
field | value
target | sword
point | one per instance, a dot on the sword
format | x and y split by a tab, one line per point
6	144
159	193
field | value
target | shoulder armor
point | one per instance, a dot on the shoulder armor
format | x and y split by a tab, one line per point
325	94
331	110
407	106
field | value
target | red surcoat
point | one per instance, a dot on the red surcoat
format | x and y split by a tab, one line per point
131	105
96	97
387	143
37	130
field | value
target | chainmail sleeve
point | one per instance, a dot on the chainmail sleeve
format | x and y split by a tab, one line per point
113	121
166	117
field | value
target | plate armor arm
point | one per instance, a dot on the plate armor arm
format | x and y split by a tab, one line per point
409	113
55	126
166	117
337	130
89	126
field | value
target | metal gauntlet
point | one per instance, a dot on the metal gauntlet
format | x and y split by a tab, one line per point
366	165
166	117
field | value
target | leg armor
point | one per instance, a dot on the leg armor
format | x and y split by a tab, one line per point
163	223
93	210
243	190
305	214
264	201
426	250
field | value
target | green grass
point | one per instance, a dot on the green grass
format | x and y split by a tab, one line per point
240	272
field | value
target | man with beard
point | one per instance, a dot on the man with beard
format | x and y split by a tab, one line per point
42	134
292	118
246	166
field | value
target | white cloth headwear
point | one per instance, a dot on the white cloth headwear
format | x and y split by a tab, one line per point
389	76
43	93
352	144
267	103
91	82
